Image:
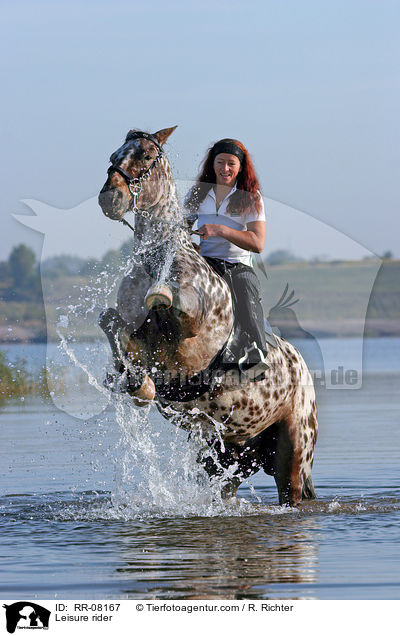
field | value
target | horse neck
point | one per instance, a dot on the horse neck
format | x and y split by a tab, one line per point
163	221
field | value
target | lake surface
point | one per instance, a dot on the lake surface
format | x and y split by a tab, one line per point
101	500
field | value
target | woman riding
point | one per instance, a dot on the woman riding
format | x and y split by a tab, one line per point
227	203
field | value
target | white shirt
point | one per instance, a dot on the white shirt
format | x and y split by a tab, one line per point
216	246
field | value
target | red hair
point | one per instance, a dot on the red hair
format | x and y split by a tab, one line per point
247	194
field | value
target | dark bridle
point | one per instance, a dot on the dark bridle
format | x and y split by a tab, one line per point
135	183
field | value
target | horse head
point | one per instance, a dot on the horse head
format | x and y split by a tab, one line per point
136	178
140	180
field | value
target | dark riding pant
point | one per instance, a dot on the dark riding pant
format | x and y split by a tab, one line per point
246	295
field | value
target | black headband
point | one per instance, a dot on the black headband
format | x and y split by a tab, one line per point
229	147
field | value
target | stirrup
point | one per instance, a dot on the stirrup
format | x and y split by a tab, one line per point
253	371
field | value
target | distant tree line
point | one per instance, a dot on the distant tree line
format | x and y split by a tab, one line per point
66	265
280	257
20	274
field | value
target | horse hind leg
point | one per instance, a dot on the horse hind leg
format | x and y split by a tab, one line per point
284	463
308	433
293	461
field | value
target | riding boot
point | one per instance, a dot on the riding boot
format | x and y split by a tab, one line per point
247	350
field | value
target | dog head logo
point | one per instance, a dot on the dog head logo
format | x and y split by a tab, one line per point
25	614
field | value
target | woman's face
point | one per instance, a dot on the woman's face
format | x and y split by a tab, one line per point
226	168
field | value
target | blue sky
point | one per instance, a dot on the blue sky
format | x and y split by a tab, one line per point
311	87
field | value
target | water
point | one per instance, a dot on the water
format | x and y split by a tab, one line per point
109	506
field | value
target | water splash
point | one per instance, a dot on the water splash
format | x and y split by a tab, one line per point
156	468
158	471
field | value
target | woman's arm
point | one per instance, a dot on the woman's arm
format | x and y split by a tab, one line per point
252	239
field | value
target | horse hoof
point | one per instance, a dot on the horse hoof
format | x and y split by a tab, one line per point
158	295
145	393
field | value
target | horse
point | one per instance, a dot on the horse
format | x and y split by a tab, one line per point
173	317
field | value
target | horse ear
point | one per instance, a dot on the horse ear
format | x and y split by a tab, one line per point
130	133
162	135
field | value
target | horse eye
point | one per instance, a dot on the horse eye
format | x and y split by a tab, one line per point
148	157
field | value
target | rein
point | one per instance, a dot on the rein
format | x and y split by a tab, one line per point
179	225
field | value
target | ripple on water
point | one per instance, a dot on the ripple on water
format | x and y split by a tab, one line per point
94	506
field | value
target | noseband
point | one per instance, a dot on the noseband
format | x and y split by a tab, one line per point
135	183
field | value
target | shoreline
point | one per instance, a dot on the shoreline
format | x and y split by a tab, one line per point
373	328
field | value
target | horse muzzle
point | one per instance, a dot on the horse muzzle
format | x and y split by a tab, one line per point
112	203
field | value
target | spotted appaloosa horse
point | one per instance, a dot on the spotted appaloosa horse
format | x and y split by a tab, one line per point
173	317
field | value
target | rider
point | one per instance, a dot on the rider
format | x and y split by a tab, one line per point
227	203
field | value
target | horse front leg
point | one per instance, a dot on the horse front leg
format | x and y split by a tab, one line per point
214	469
112	323
243	459
126	359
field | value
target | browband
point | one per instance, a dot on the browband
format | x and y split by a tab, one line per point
143	135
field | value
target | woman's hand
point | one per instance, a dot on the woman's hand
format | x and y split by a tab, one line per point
209	229
252	239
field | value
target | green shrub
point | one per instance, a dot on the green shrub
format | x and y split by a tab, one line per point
16	381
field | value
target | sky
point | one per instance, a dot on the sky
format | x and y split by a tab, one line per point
311	88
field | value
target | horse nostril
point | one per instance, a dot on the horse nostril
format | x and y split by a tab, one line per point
109	200
105	199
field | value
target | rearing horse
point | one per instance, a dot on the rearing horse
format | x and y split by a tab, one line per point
174	315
